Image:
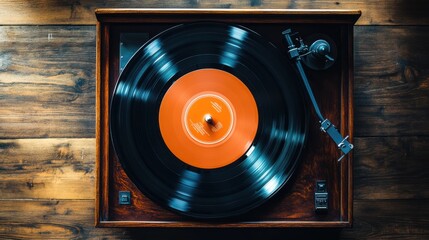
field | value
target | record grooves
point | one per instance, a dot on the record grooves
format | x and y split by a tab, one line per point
266	158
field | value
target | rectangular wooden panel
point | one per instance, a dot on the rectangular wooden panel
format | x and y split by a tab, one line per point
391	168
47	168
385	12
389	219
47	82
291	207
392	81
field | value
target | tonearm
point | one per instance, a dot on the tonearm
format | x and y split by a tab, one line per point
320	49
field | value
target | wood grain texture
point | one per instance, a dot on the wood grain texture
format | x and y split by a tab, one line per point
389	219
47	168
391	81
68	219
236	16
47	81
386	12
51	219
391	168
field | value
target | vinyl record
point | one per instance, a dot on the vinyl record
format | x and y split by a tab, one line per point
208	120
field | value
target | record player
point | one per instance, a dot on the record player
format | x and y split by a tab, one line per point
224	118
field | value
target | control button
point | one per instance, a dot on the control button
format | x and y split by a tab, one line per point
321	196
124	198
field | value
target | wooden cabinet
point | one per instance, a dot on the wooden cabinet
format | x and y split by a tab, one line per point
293	206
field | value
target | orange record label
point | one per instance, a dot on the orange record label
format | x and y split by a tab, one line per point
208	118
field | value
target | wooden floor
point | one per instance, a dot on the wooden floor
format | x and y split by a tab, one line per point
47	120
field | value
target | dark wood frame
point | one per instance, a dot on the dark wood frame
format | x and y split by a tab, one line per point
104	156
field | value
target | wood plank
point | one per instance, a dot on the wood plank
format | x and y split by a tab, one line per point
238	16
386	12
391	168
67	219
389	219
391	81
47	81
51	219
47	168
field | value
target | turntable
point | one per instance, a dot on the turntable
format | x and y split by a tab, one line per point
224	118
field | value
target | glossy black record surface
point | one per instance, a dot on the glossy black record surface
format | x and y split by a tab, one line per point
208	193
